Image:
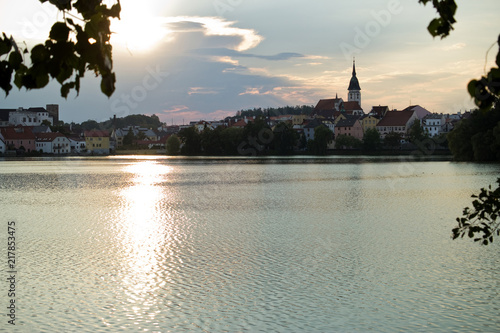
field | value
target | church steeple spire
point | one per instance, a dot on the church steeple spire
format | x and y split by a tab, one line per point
354	88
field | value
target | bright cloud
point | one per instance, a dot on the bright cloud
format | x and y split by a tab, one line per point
214	26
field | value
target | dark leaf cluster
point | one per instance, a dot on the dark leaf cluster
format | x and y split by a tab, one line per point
71	50
481	223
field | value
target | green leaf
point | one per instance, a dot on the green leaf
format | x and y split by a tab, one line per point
434	26
59	32
5	76
471	87
108	84
15	60
5	45
39	54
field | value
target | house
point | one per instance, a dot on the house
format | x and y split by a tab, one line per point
369	121
379	111
140	133
78	145
41	129
419	111
4	116
309	129
350	126
201	125
327	108
53	143
396	121
19	138
97	142
3	145
240	123
433	124
30	117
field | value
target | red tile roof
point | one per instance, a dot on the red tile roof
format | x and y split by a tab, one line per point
395	118
327	104
17	133
352	106
48	137
96	134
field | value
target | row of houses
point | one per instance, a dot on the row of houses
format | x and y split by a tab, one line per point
352	121
30	139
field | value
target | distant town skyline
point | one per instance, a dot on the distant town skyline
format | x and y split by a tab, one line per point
209	59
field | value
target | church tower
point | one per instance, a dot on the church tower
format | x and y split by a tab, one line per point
354	88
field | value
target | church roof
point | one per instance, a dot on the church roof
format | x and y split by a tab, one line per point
352	106
328	104
354	83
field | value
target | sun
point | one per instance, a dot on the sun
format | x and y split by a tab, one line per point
138	29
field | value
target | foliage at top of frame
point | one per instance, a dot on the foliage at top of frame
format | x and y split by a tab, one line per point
75	45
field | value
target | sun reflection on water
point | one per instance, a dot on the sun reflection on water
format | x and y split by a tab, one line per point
147	227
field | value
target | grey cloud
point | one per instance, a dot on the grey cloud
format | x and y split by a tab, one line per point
236	54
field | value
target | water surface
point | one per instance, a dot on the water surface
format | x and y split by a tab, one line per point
161	244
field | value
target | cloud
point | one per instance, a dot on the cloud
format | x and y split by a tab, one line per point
202	91
225	52
456	46
214	26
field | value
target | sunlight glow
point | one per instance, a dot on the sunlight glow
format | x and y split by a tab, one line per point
139	29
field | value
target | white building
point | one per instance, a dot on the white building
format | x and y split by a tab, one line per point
433	124
53	143
29	117
78	145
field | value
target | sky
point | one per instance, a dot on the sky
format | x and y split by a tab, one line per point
207	59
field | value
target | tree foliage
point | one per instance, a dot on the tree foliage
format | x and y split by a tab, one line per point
74	46
485	91
481	222
416	132
347	142
478	137
392	140
284	138
322	136
371	140
173	145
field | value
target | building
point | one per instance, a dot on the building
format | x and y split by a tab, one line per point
29	117
53	110
354	89
396	121
78	145
4	116
433	124
97	142
328	108
350	126
379	111
419	111
19	138
309	129
53	143
139	133
353	108
3	145
369	121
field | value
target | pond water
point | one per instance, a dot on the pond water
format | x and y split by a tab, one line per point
212	245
